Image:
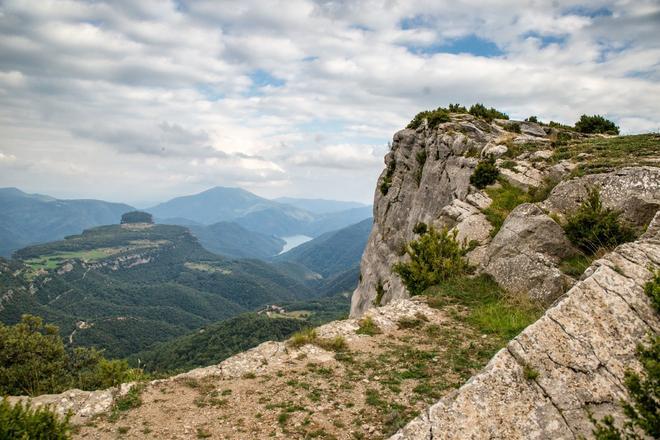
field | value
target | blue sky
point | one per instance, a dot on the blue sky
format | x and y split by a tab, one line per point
142	101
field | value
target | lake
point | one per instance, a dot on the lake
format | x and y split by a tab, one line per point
293	241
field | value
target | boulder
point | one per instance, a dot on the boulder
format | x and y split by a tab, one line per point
524	255
635	191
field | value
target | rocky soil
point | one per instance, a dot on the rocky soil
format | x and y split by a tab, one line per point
368	389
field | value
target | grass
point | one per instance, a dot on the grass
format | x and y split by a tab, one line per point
309	336
489	308
576	265
505	198
530	373
368	327
607	154
132	399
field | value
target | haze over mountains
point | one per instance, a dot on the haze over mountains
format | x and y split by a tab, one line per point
257	224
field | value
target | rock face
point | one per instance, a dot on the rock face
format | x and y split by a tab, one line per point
577	352
427	179
635	191
524	255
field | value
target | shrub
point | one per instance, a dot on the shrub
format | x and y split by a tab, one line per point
387	179
436	256
420	228
643	412
380	291
513	127
652	290
505	199
480	111
22	422
486	173
457	108
593	227
33	361
433	118
338	343
532	119
596	124
368	327
303	337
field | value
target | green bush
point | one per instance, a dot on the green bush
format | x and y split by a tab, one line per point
513	127
22	422
420	228
596	124
137	217
480	111
433	118
387	179
33	361
456	108
534	119
435	257
486	173
593	227
652	290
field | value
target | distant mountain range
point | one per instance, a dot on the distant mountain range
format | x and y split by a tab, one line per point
228	221
34	218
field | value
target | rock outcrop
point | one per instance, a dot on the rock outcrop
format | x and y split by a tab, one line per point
567	365
427	179
524	255
634	191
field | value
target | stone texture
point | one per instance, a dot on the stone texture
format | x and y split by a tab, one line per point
635	191
433	192
580	349
524	255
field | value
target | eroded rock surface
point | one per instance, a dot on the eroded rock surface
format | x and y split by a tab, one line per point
635	191
524	255
570	363
427	179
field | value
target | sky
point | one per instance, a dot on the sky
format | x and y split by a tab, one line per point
142	101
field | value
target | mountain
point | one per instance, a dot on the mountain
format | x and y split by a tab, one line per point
125	287
319	206
333	252
232	240
221	204
34	218
258	214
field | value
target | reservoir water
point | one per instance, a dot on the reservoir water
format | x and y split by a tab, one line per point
293	241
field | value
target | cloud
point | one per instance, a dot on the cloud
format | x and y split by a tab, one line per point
144	99
343	157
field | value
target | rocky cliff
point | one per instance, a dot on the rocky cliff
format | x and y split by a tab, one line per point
579	351
427	179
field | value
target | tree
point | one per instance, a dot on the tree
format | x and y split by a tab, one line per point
596	124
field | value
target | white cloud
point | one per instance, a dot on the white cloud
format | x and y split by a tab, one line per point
141	100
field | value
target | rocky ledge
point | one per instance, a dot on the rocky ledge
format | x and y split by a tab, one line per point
579	351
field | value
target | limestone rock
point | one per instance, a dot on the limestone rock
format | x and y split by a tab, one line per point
524	255
635	191
579	351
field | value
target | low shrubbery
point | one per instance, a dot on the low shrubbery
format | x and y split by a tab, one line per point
387	179
23	422
367	326
442	114
485	173
33	361
596	124
435	257
480	111
593	227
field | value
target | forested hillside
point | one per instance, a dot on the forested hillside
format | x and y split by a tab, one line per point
124	288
